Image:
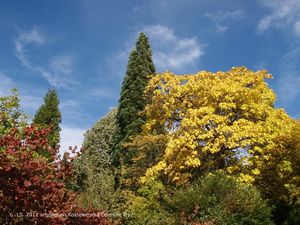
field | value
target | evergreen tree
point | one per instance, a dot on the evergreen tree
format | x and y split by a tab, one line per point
48	115
140	68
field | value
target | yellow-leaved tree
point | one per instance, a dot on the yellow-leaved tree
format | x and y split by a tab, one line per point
214	121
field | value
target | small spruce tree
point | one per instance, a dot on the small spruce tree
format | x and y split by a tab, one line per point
48	115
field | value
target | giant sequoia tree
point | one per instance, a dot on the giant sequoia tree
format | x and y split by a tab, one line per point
48	115
140	69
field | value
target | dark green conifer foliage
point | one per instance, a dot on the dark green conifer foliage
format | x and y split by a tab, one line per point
140	69
48	115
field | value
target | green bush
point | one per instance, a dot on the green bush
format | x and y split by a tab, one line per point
219	199
93	175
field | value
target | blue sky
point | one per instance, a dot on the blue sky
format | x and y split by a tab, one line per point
80	47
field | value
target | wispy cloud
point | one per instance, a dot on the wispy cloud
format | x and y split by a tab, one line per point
296	27
32	37
56	71
62	64
221	19
5	84
172	52
282	14
289	81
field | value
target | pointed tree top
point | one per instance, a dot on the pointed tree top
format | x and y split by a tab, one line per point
142	35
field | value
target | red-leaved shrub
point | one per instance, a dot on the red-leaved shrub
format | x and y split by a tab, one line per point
32	188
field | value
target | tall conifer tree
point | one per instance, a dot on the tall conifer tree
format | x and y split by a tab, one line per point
140	69
48	115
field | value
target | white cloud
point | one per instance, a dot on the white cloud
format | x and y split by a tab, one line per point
70	136
170	51
221	19
282	14
34	37
221	29
56	79
56	72
62	64
285	15
297	28
289	81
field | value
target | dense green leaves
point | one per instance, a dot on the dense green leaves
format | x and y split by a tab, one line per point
214	199
220	199
129	121
93	173
99	139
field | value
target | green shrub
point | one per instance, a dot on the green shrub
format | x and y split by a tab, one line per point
219	199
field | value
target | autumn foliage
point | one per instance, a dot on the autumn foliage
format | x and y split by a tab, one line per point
32	189
213	149
214	121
